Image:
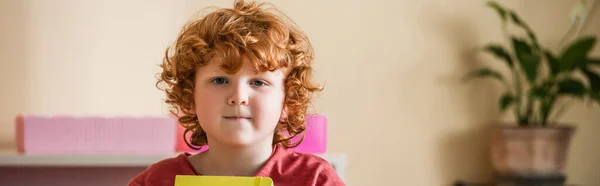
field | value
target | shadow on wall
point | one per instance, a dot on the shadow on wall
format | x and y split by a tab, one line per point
463	152
13	65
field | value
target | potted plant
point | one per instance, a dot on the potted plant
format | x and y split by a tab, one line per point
538	80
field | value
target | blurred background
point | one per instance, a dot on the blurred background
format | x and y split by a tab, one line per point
393	97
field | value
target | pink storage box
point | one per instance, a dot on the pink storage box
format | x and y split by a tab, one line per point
94	135
314	142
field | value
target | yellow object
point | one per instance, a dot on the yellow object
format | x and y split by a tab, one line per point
190	180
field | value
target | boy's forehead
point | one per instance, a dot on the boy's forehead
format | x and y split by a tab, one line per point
247	67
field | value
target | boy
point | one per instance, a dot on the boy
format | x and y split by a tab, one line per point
240	81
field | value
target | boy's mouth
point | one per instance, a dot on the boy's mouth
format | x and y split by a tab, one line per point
236	117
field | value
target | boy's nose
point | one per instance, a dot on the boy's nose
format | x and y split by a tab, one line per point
238	101
239	97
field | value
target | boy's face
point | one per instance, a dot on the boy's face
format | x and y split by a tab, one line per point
239	109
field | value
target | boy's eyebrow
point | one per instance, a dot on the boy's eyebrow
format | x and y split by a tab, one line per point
208	73
216	70
222	70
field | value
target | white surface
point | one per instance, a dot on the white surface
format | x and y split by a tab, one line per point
10	158
21	160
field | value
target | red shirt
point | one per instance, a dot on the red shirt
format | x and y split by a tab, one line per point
285	168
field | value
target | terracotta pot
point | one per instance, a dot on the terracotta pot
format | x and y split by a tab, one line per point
530	151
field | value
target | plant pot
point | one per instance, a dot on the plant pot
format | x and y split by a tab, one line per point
530	152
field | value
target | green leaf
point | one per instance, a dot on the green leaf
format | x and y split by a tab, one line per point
539	92
593	61
519	22
533	40
577	50
499	9
553	62
499	52
594	81
595	97
482	73
579	63
584	62
546	108
527	59
506	100
515	18
572	87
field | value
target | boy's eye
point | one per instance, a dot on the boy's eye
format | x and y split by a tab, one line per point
220	80
258	83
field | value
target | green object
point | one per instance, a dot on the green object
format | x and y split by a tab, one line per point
532	91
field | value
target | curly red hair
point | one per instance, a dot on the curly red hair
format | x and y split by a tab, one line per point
227	34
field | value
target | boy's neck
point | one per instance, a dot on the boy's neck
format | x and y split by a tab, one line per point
222	160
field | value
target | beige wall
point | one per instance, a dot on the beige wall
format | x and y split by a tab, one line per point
391	70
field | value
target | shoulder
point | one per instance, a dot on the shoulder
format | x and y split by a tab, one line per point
163	172
321	167
305	160
308	166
